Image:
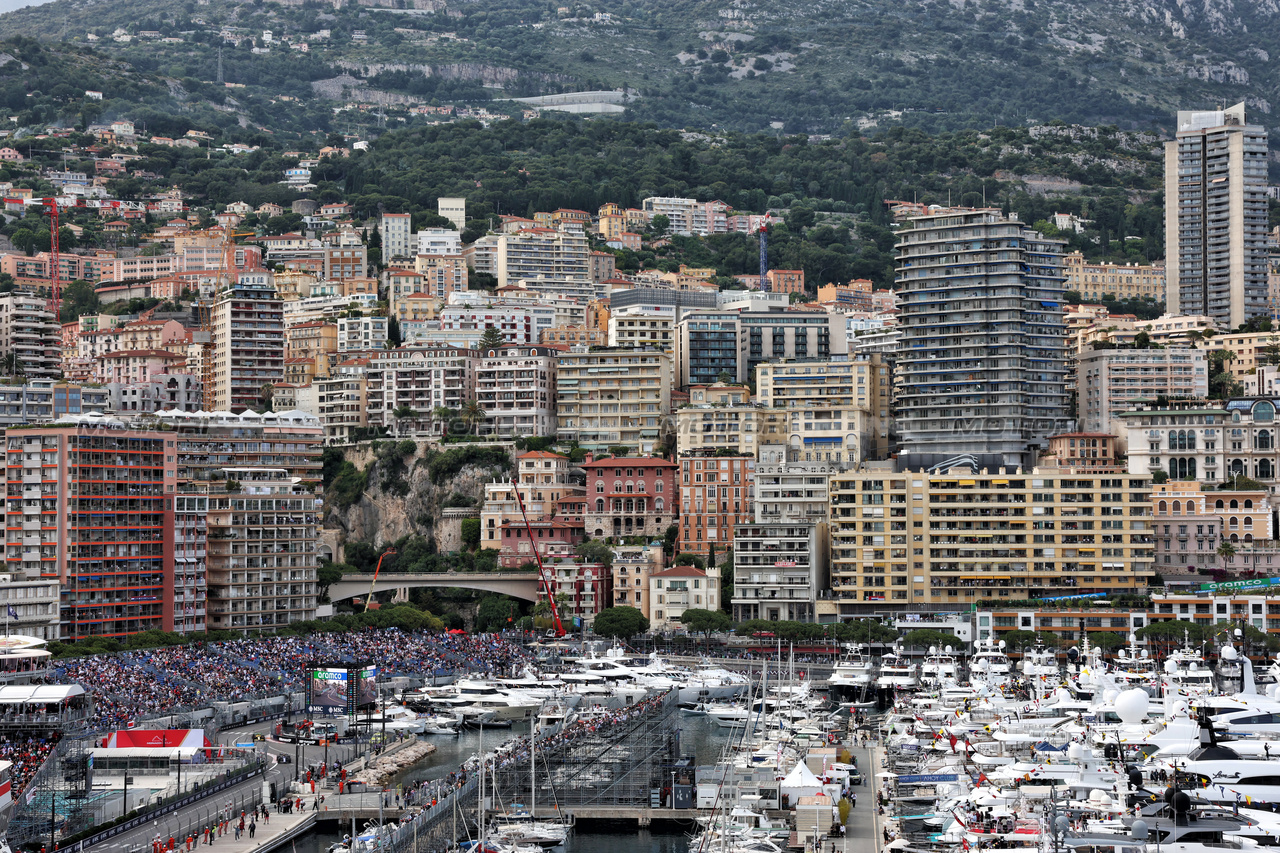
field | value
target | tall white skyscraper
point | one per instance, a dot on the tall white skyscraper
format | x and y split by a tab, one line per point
981	363
397	236
1215	179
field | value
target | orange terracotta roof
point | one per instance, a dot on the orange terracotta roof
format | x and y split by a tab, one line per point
146	353
680	572
631	461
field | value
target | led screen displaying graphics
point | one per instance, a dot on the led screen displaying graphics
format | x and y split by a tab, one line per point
342	687
328	689
367	689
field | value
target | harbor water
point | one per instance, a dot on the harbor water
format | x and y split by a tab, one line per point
699	737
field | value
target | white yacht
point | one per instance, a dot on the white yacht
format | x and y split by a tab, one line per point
990	664
506	705
896	672
1186	672
939	667
851	680
1134	667
1040	665
1230	671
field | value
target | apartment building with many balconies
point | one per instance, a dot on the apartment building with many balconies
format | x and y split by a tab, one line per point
947	541
613	397
421	380
826	384
716	494
632	567
90	503
981	362
780	570
530	252
361	333
30	339
1111	380
207	442
543	479
343	401
248	346
516	387
742	428
263	531
1216	217
689	216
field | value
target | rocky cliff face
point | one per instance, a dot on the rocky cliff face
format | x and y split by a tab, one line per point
381	517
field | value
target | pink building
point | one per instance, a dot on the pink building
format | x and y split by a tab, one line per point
630	496
554	538
131	366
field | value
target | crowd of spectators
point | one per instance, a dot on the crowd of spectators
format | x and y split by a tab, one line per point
128	686
27	754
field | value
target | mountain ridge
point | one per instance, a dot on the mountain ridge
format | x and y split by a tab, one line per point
815	66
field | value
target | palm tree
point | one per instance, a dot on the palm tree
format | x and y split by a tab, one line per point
474	414
1226	551
443	414
403	413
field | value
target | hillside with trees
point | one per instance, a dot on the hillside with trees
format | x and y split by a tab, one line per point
810	66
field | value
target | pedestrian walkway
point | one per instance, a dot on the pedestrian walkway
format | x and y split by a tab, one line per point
267	834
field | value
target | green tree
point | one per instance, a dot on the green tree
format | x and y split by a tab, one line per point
705	622
620	622
78	298
1108	640
686	558
492	338
471	533
1170	633
867	631
326	576
494	613
659	225
1019	641
923	638
473	414
24	240
595	551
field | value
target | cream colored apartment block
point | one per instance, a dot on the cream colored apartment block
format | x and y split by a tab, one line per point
613	397
947	541
1123	281
741	428
1251	349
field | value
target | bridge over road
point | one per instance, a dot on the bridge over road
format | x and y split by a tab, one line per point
522	585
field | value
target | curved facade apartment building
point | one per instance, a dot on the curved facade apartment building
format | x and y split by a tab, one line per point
981	363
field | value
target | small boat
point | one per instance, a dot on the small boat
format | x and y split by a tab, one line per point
693	709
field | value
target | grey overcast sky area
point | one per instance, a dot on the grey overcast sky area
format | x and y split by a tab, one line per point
10	5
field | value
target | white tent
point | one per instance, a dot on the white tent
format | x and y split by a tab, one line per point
800	782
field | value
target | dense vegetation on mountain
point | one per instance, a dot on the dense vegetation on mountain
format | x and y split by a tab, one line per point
836	224
806	66
828	194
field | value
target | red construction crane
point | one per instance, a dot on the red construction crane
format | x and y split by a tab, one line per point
542	572
369	603
55	260
55	254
